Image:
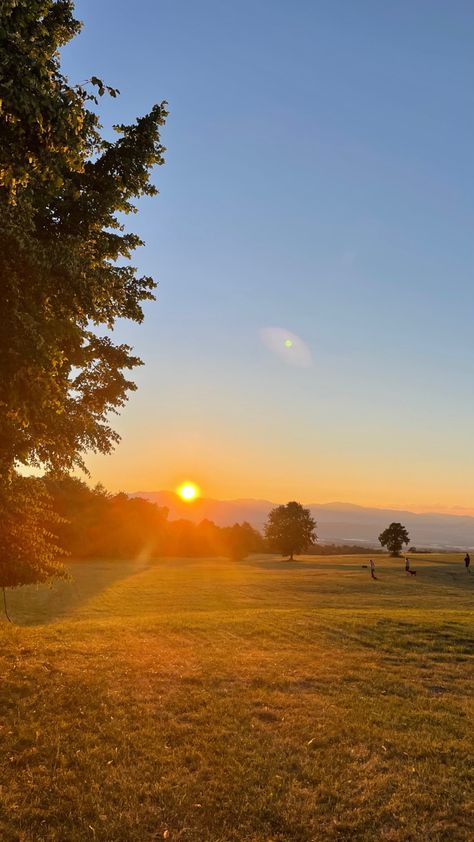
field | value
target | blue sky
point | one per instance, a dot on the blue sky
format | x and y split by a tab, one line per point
319	177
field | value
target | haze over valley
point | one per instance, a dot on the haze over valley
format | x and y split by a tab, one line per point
337	522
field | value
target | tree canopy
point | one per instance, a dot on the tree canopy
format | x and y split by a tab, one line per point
290	529
240	540
93	523
64	251
393	538
64	263
29	551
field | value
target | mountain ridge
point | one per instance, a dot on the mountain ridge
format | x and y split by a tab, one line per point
337	522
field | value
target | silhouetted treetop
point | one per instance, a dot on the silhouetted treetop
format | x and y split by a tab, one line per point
393	538
290	529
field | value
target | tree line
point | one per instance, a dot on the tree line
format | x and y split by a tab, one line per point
92	523
61	516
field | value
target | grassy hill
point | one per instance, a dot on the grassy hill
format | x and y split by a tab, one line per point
266	701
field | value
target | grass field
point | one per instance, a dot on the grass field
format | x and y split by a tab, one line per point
265	701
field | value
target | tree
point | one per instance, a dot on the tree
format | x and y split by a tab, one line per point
64	259
393	538
96	524
240	540
64	251
28	550
290	529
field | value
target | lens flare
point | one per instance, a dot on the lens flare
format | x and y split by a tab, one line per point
188	491
286	345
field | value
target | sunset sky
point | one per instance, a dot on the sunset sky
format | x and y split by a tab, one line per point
319	179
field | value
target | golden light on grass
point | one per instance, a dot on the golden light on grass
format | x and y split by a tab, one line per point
216	624
188	491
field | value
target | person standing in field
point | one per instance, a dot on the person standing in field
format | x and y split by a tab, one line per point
467	562
372	569
408	570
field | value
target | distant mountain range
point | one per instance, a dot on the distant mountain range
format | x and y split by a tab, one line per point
337	522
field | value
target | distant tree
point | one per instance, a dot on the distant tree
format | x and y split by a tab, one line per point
393	538
290	529
131	528
96	524
240	540
64	272
185	538
341	549
29	553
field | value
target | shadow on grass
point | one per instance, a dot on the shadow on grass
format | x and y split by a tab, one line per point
44	604
304	563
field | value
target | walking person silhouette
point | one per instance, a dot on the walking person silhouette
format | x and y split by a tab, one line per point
408	570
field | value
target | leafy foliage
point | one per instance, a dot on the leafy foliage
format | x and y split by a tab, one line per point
29	553
64	251
290	529
393	538
241	540
95	524
64	269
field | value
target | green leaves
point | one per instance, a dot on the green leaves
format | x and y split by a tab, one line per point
29	553
102	88
64	255
290	529
62	187
393	538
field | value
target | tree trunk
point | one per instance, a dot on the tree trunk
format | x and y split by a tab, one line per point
5	606
291	556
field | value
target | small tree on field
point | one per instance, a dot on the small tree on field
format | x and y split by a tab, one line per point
393	538
290	529
29	554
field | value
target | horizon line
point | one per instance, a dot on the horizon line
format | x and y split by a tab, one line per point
454	511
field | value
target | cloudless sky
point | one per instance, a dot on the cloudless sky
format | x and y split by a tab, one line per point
319	178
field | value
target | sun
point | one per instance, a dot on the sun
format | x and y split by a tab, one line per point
188	491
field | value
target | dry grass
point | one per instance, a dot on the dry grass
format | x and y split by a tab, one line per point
209	701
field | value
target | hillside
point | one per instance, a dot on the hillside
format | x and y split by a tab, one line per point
337	522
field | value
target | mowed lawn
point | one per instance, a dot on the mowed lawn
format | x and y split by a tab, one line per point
212	701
